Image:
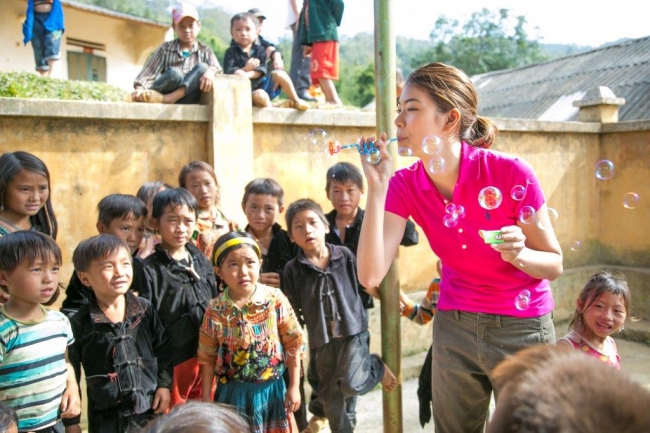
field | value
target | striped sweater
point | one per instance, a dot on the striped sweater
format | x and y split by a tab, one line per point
33	370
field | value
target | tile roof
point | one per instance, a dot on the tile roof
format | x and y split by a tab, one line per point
546	91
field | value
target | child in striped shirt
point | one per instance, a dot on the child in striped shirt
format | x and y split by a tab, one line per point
36	377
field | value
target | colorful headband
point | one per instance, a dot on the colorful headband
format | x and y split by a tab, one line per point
236	241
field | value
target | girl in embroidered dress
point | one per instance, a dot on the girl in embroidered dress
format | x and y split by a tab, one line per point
601	309
199	178
249	335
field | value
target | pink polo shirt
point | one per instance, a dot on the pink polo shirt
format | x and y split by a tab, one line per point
474	277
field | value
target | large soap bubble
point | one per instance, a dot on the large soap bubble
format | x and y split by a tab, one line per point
490	197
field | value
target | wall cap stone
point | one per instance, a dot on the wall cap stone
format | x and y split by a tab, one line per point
313	117
103	110
601	95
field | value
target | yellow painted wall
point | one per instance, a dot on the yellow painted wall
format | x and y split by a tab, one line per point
91	159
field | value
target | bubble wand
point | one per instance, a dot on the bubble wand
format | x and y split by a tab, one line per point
372	153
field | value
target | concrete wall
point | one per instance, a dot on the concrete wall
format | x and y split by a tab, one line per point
94	149
128	43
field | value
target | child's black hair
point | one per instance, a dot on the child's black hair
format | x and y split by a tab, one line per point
8	417
264	186
199	166
197	416
148	191
344	172
27	246
301	205
243	16
120	206
96	248
219	254
173	198
13	163
598	284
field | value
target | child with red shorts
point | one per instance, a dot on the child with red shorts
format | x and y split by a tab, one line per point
319	36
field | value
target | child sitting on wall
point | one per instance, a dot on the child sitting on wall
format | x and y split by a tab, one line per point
179	70
247	57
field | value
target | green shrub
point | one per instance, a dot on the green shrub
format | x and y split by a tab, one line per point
29	85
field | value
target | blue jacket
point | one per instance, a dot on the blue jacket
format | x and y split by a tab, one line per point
54	21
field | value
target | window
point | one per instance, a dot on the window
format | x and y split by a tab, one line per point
86	67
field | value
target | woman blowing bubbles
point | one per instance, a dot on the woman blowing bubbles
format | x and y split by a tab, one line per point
494	298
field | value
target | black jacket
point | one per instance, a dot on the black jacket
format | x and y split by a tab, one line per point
124	363
352	234
235	58
328	300
179	296
77	295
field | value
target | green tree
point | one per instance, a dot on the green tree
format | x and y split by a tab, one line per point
488	41
357	59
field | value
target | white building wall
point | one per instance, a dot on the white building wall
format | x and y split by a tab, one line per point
127	43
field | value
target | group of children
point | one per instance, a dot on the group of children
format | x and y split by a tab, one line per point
179	70
208	313
169	295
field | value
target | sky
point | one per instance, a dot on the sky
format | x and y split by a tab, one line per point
580	22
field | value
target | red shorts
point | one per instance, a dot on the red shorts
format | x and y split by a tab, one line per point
324	60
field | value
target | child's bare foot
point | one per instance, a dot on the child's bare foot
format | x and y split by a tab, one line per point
388	380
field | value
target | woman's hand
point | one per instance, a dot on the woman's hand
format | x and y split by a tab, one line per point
514	241
377	174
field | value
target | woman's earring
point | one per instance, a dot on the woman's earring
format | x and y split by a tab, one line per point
2	205
622	328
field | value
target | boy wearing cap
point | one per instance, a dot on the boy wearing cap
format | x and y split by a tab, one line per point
179	70
272	52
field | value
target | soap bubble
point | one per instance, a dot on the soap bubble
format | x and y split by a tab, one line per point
436	165
316	144
317	137
373	156
522	300
518	192
450	220
575	245
431	145
604	169
450	208
404	151
526	215
456	211
630	200
474	153
490	197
